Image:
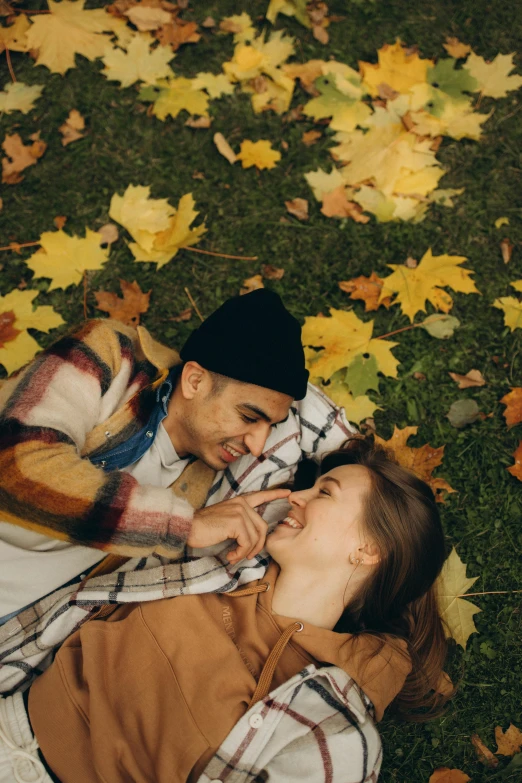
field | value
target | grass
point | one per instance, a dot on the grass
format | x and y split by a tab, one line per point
243	209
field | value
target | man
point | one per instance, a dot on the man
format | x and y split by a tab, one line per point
108	444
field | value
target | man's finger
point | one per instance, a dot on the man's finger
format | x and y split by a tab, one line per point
264	496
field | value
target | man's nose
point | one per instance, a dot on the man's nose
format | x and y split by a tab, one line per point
255	439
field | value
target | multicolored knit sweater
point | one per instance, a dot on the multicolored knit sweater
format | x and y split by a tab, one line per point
91	391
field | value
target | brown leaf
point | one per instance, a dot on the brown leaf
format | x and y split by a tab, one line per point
199	122
198	175
419	376
71	128
208	22
298	207
455	48
310	137
509	742
295	114
513	403
446	775
228	26
224	148
185	315
484	755
59	221
411	263
251	284
109	234
21	157
7	330
516	469
307	73
472	378
366	288
506	248
386	92
320	34
272	272
128	309
335	204
177	33
5	8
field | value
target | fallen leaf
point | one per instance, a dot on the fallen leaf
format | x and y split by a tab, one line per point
356	408
127	310
108	234
71	128
145	17
64	258
336	204
208	22
199	122
413	286
272	272
516	469
512	310
513	403
484	755
298	207
342	337
411	263
251	284
509	742
138	63
506	248
19	97
224	148
447	775
311	137
239	24
472	378
185	315
14	36
60	221
66	31
501	221
397	67
419	376
320	34
176	33
215	84
19	158
493	80
457	613
17	314
422	461
361	375
455	48
463	412
366	288
440	326
259	154
322	183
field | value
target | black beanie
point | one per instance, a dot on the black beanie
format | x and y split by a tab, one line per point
254	339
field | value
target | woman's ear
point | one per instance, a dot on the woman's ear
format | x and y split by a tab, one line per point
369	554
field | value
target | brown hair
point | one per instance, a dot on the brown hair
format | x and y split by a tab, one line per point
398	601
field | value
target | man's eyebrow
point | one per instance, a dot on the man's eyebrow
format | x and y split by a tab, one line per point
261	413
331	478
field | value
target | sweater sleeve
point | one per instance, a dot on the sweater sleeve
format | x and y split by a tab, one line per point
46	486
324	426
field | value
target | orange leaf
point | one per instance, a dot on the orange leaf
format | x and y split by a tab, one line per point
59	221
177	33
513	403
422	461
447	775
506	248
298	207
484	755
472	378
509	742
7	330
128	309
21	157
251	283
335	204
310	137
366	288
516	469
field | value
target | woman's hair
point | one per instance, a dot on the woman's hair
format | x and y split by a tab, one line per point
398	598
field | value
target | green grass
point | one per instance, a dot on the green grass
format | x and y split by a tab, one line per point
243	208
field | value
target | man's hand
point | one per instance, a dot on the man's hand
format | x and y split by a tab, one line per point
236	519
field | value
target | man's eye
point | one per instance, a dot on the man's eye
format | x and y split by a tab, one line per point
324	492
248	419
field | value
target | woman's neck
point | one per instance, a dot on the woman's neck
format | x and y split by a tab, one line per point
314	598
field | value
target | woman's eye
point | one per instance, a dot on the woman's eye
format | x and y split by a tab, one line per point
324	492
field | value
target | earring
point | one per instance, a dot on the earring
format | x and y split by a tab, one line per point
354	560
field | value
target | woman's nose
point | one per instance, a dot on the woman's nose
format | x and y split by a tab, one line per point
297	499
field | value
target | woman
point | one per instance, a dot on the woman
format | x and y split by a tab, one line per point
149	692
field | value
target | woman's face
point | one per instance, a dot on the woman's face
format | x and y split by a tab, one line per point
324	525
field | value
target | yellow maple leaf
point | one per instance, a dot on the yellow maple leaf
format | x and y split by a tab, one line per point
66	31
414	286
142	216
260	56
178	95
138	63
321	182
356	408
14	36
215	84
493	79
457	613
512	310
239	24
343	337
397	68
456	48
64	258
516	284
17	314
258	153
19	97
176	236
276	94
422	460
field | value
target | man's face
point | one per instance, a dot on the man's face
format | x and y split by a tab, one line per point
220	427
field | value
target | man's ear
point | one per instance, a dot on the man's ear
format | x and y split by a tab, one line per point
194	379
